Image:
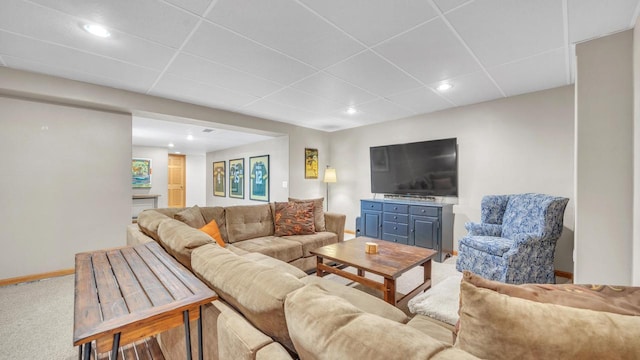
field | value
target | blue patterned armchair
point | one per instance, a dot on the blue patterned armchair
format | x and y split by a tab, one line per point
516	240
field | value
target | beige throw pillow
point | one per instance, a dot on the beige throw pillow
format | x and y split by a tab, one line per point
497	326
318	212
191	216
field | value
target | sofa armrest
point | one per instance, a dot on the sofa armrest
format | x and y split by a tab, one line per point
482	229
334	223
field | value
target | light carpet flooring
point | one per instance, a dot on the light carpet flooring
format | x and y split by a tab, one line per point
37	317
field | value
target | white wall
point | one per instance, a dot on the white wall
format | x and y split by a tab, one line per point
159	171
299	139
66	187
278	151
196	180
636	152
604	165
513	145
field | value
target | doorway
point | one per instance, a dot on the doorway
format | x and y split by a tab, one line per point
177	181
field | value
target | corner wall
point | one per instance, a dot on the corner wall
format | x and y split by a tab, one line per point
636	152
513	145
604	160
66	187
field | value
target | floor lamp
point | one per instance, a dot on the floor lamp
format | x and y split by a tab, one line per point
329	177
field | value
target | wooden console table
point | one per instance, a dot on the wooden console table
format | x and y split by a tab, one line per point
126	294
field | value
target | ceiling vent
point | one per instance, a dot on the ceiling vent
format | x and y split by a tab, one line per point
208	130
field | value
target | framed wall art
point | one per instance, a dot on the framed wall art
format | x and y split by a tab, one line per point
219	178
236	178
141	173
310	163
259	184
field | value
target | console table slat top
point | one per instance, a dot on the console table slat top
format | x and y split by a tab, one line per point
138	291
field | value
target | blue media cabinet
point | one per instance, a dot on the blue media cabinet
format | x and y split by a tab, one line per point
410	222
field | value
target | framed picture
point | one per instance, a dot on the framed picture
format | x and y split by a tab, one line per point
259	184
219	178
236	178
310	163
141	173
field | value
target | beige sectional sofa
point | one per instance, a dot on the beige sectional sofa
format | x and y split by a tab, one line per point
270	309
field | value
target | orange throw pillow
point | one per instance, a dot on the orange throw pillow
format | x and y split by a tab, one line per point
213	231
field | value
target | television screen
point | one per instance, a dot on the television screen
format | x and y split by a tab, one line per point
428	168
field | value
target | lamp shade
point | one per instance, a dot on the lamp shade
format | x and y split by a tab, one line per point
330	175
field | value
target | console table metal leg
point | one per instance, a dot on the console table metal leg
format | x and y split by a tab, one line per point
200	347
116	346
187	333
87	350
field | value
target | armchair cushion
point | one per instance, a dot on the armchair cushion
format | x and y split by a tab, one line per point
493	245
479	229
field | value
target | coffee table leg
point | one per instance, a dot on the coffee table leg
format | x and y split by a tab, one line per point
319	261
187	333
360	272
390	291
200	350
427	271
116	346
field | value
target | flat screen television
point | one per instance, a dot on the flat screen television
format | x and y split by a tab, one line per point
426	168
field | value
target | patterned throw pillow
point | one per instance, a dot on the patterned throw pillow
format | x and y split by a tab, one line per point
318	211
292	218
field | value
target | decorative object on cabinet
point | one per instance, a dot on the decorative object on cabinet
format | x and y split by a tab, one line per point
310	163
219	178
516	239
236	178
259	184
410	222
141	173
330	176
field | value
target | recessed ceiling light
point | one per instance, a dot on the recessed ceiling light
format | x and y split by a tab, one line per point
444	87
351	111
97	30
189	137
171	145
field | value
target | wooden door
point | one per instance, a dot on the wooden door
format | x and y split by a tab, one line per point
177	186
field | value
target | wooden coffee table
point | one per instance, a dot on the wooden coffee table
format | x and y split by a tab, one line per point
126	294
391	261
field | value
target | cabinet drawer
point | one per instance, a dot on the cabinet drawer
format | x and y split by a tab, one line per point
370	205
396	208
395	238
395	228
424	210
398	218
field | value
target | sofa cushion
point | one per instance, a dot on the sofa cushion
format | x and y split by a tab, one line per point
275	264
293	218
497	326
213	230
148	222
318	212
361	300
324	326
434	328
179	240
191	216
313	241
256	290
276	247
248	222
216	213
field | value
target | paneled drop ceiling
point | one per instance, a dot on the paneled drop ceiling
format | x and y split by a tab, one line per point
306	62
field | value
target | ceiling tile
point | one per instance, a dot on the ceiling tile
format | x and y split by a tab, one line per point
175	87
279	112
224	47
207	72
593	18
332	88
74	61
372	21
272	23
470	89
421	100
378	111
149	19
536	73
360	70
194	6
53	26
446	5
501	31
302	100
430	53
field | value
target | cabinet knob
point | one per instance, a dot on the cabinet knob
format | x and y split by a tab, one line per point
395	228
422	210
395	208
395	217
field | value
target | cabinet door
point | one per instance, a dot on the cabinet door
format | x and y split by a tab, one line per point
371	224
424	231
